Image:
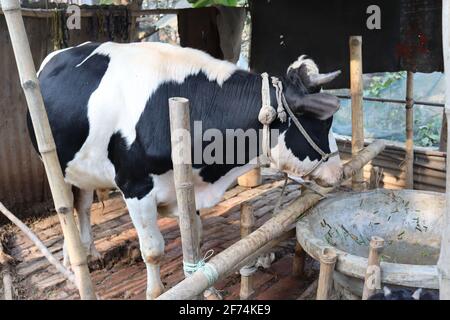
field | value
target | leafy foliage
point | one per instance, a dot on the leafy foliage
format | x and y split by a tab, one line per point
380	83
206	3
426	133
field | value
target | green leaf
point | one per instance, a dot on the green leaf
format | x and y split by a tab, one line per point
206	3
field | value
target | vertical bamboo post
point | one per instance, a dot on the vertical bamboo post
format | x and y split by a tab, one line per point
443	137
409	158
444	257
373	271
356	91
190	227
328	259
61	192
247	224
251	179
375	177
298	264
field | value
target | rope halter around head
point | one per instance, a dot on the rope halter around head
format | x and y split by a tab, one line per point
268	114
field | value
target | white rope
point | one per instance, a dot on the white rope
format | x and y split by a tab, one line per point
268	114
279	94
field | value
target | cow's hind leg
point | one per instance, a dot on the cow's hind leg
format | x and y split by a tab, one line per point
82	204
144	215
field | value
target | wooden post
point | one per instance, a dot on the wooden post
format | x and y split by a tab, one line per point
132	30
247	224
232	258
375	177
298	263
373	271
61	192
444	257
356	90
251	179
190	227
443	137
328	260
409	146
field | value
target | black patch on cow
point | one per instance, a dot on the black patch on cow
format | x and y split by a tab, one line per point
133	167
66	90
234	105
318	130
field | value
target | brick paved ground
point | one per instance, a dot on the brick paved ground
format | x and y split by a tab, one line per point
121	274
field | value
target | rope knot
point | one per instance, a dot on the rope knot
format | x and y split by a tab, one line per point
208	269
267	115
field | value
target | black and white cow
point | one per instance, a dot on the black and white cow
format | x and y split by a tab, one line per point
108	109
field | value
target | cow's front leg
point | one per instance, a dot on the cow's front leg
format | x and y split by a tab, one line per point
144	215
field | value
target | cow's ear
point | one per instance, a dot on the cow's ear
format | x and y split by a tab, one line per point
318	105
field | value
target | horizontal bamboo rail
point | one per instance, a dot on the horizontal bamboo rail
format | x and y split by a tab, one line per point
48	13
397	101
232	257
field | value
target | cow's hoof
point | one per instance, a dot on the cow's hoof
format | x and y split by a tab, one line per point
212	294
92	254
155	292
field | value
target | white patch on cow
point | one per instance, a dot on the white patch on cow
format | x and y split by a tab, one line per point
91	169
207	194
311	67
285	160
122	94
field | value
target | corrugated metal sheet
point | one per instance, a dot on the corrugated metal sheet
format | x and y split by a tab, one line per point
23	184
22	176
429	166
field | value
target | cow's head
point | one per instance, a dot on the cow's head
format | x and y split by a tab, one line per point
315	110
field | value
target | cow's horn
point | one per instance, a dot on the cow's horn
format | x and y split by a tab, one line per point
319	79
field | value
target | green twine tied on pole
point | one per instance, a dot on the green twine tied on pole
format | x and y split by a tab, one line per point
207	269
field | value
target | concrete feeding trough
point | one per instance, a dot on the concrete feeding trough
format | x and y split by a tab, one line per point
408	220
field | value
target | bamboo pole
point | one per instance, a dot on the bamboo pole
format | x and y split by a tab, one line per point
409	145
61	192
328	260
443	137
38	243
298	263
444	257
395	101
247	224
221	264
373	271
182	173
91	12
356	90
